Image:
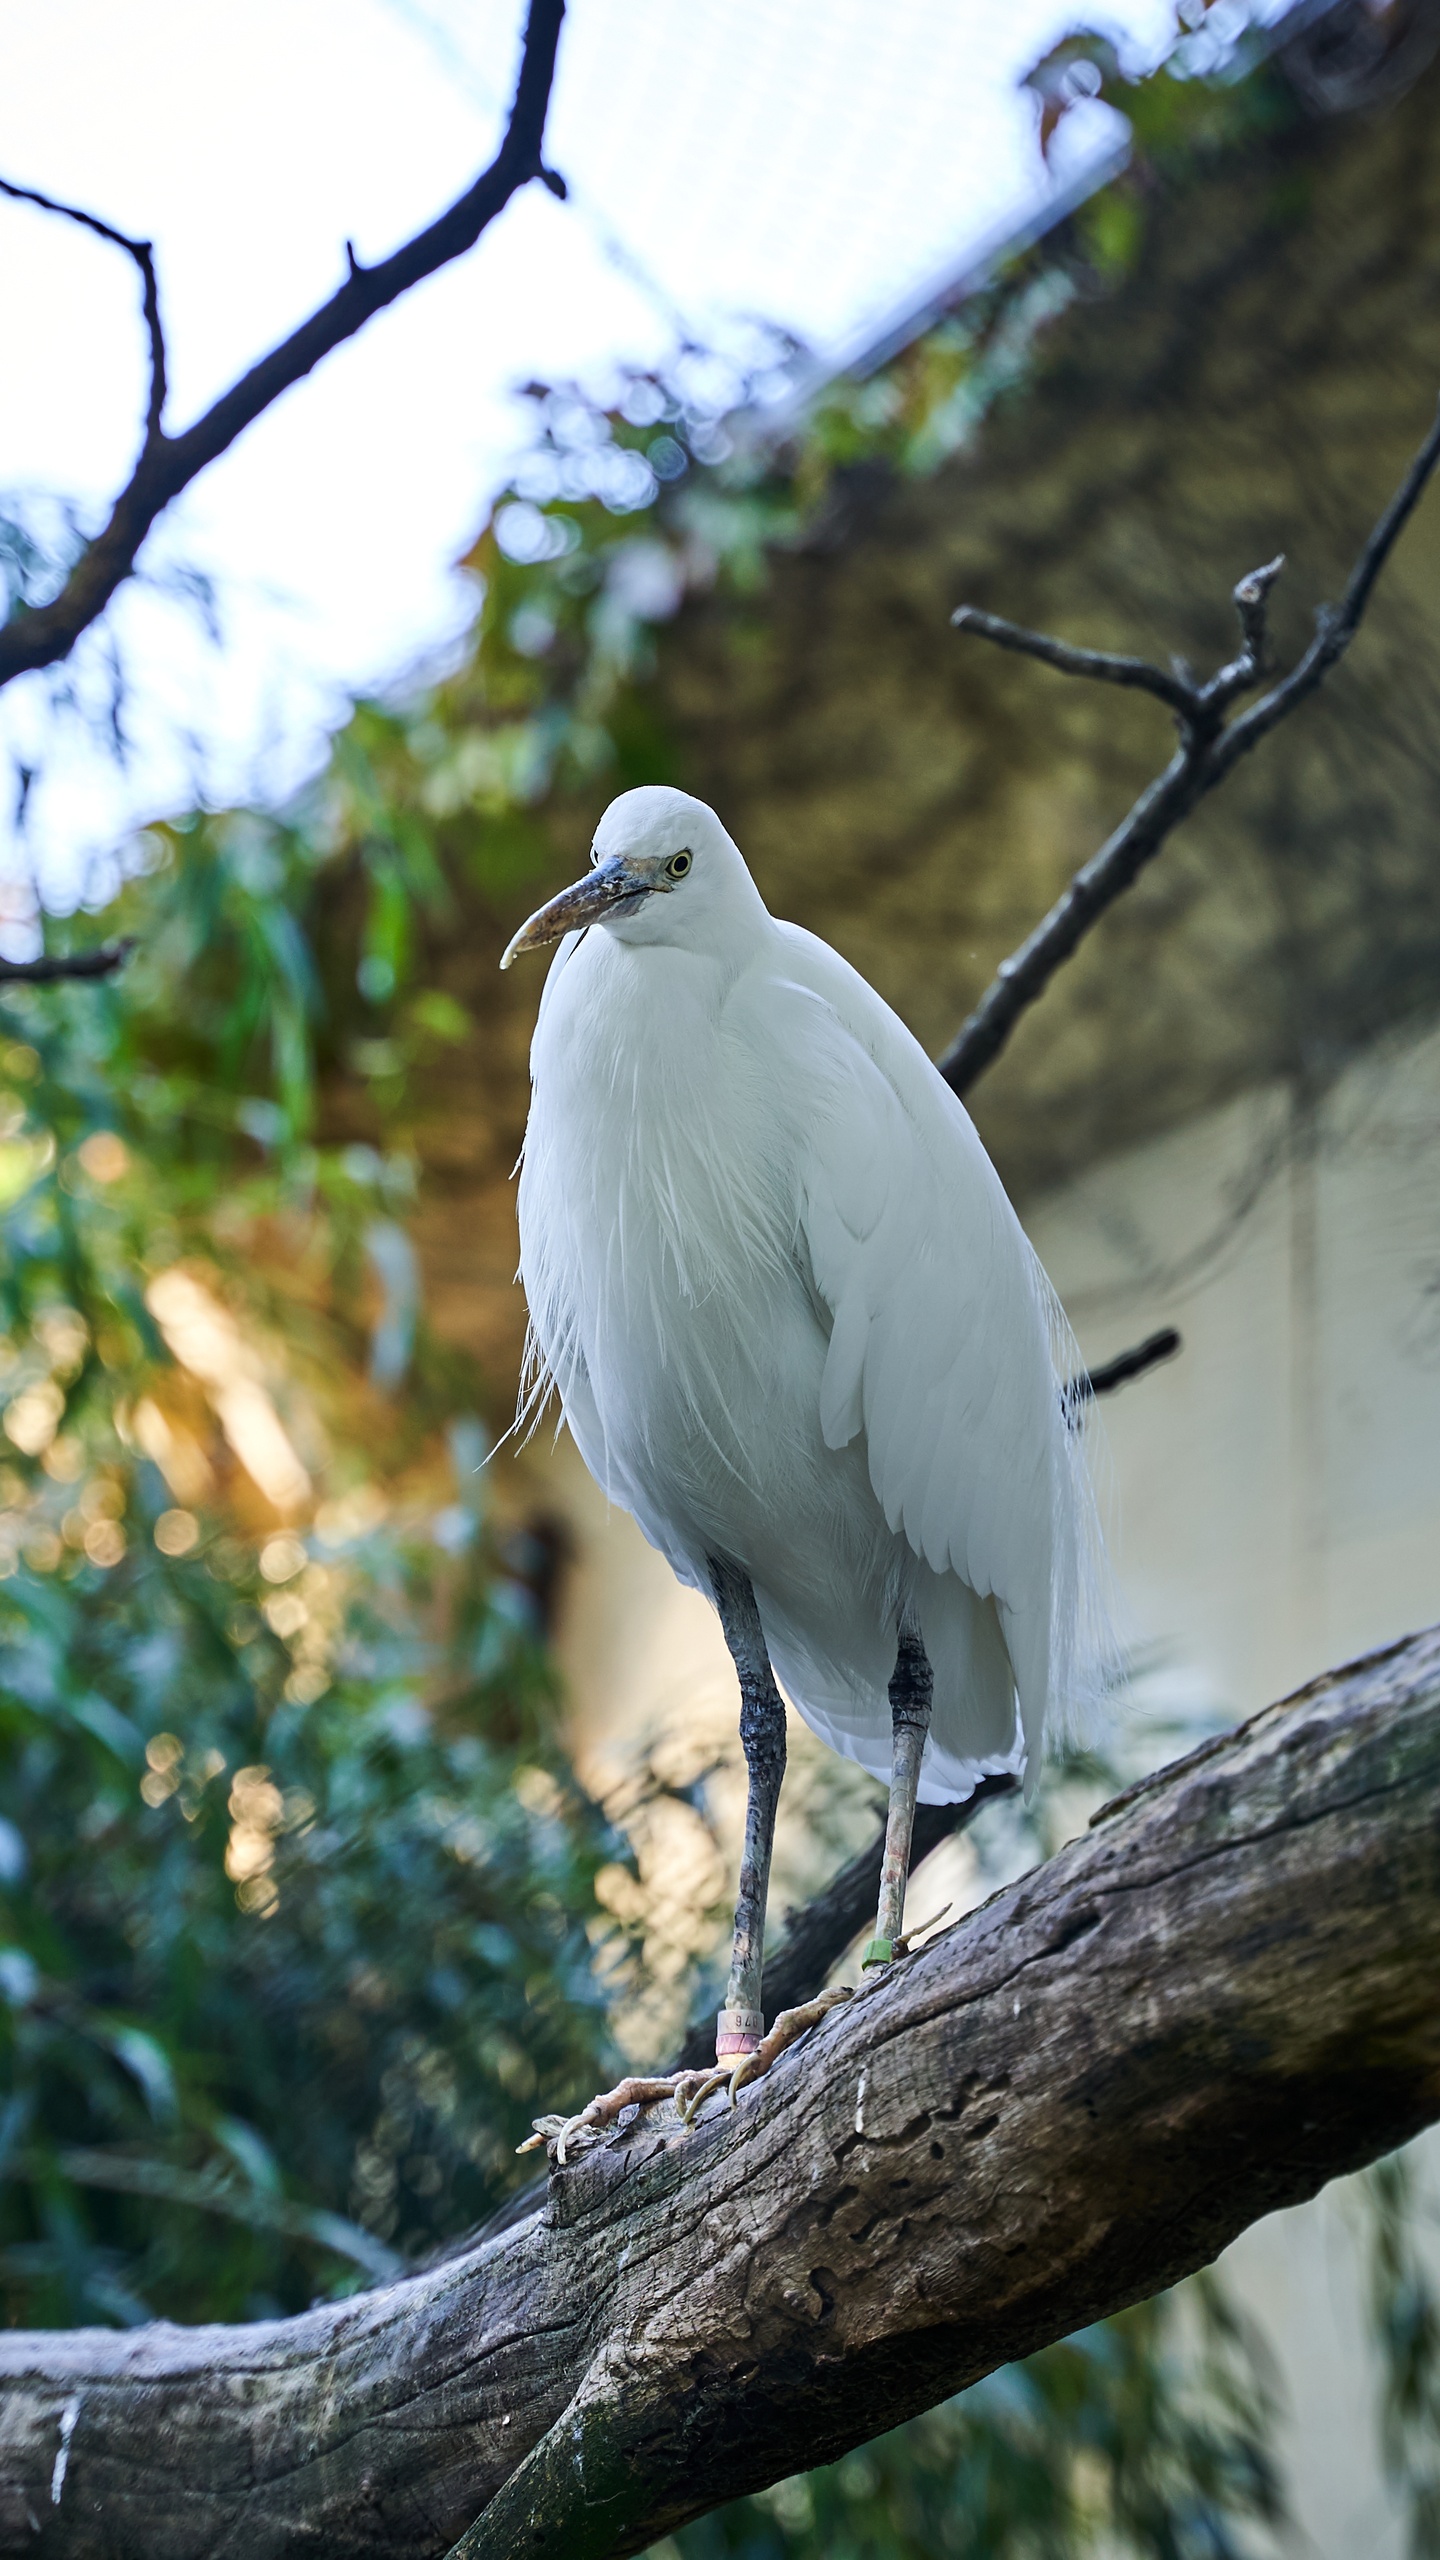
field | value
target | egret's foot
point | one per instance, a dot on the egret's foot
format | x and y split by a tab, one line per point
563	2136
559	2135
885	1950
753	2066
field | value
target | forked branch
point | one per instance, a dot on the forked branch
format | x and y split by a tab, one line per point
42	635
1211	745
143	253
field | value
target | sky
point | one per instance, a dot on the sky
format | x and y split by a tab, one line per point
815	163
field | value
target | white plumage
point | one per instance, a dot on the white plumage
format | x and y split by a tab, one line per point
791	1316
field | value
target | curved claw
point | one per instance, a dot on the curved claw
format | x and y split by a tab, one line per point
791	2024
689	2089
634	2091
705	2083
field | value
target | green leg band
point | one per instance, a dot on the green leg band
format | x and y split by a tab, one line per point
879	1951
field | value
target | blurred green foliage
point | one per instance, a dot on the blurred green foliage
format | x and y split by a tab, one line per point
1405	2320
297	1923
1125	2440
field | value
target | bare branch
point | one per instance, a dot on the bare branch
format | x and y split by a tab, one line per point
1251	599
142	251
1028	972
1215	2000
100	963
1335	626
167	464
1208	751
1137	674
1126	1365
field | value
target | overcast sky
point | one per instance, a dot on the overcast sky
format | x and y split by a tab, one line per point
811	161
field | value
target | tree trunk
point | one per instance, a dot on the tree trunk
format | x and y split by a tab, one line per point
1222	1996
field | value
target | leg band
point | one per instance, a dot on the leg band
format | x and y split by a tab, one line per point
738	2031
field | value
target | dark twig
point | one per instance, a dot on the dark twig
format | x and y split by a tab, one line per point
100	963
44	634
1125	1366
1335	625
1252	596
1209	749
142	251
1136	673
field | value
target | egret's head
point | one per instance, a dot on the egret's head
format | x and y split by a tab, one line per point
663	870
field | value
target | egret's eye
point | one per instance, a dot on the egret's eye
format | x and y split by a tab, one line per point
678	865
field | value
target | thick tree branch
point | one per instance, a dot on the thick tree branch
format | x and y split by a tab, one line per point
1209	749
167	464
1219	1998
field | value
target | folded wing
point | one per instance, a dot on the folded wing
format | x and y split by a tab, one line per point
944	1335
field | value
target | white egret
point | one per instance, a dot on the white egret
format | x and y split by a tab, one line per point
797	1331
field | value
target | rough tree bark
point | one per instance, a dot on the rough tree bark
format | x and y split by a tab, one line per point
1221	1996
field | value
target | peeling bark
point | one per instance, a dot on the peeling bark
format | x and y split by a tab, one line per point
1222	1996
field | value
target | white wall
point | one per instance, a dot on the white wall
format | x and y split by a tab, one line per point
1277	1487
1277	1509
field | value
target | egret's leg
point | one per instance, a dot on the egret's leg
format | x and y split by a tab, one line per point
741	2023
743	2050
912	1697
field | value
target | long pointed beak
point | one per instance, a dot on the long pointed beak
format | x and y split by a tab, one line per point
610	885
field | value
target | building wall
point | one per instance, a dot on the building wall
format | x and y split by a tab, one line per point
1276	1487
1276	1510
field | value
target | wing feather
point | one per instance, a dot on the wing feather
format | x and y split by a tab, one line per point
943	1333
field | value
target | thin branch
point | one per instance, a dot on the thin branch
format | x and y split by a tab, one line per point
100	963
1252	598
167	464
1136	673
1126	1365
1209	749
143	253
1336	625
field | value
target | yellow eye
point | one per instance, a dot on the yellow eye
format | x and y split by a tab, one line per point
678	865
